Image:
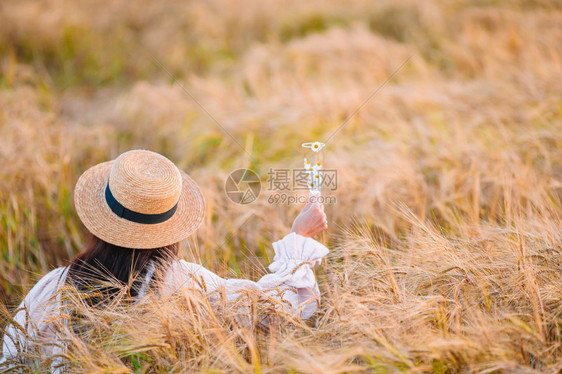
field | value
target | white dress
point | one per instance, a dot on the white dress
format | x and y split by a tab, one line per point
291	271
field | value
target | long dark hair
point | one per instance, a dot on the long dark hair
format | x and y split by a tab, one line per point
107	269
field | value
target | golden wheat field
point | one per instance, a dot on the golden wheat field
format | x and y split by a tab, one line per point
446	237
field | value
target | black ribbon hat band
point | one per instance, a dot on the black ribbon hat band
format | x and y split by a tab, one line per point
133	216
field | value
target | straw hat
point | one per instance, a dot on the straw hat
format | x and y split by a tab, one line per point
139	200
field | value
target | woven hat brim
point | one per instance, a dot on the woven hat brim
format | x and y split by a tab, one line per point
99	219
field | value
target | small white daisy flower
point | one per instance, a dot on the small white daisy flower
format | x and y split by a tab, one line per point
317	166
315	146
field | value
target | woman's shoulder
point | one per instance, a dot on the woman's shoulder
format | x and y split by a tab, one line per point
37	300
56	273
55	276
47	285
35	307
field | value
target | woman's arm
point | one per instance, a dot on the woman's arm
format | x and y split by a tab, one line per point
291	282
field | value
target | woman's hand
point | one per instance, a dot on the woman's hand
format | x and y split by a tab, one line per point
311	221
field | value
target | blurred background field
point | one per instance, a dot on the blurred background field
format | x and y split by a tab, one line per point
446	237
